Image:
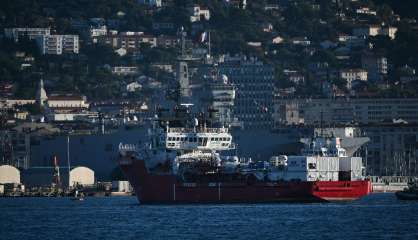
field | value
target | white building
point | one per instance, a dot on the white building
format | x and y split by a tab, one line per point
70	44
350	75
366	11
66	116
199	13
31	33
133	87
277	40
50	44
125	70
58	44
100	31
67	101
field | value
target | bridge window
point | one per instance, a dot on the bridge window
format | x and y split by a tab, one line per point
312	165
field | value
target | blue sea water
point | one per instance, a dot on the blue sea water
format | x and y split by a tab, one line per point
378	216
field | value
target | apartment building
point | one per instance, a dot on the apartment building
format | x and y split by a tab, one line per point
254	82
131	41
58	44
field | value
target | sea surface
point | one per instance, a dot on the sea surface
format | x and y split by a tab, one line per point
378	216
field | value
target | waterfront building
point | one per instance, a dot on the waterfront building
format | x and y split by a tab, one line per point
342	111
254	82
392	150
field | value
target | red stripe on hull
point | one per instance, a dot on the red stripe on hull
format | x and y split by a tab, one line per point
166	189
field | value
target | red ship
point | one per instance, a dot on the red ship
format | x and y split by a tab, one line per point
182	164
167	189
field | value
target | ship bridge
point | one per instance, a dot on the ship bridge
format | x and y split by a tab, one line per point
211	139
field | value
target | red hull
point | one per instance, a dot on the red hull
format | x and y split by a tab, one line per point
167	189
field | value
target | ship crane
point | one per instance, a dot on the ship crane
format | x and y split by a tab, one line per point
56	180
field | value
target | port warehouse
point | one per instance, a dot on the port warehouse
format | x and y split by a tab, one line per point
14	179
9	179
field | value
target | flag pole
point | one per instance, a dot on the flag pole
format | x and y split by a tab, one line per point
209	44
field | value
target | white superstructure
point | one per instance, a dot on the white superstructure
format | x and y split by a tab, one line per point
186	146
211	139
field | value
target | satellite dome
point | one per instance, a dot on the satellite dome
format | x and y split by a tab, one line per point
224	78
